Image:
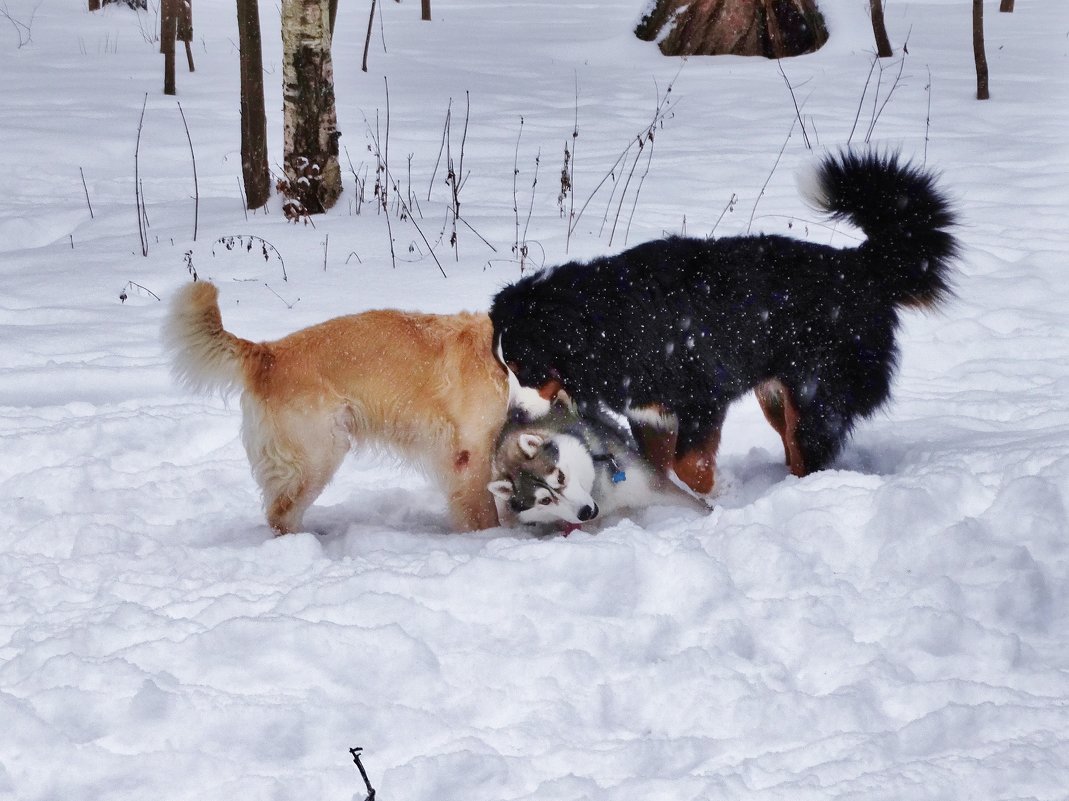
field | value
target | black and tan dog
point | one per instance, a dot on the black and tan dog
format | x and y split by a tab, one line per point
426	386
669	333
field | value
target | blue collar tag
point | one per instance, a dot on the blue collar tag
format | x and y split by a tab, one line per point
619	476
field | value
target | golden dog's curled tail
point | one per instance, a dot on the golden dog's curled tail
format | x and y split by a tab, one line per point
205	357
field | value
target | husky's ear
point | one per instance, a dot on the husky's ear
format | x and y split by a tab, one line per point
530	444
502	488
549	390
562	401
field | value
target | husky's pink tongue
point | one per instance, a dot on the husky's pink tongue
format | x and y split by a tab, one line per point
570	527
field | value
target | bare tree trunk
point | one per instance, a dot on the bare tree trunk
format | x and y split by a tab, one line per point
254	170
333	17
1006	5
185	29
426	8
168	34
310	151
978	50
771	28
94	5
883	44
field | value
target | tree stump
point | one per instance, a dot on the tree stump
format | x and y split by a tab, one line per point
769	28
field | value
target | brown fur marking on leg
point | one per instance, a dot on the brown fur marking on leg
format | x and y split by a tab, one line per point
795	460
782	414
697	468
657	445
461	460
770	397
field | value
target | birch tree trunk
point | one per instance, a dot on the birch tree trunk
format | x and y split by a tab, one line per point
254	170
310	123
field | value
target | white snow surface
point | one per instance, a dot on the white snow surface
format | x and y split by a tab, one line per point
893	628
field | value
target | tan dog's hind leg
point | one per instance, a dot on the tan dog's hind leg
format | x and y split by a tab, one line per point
293	455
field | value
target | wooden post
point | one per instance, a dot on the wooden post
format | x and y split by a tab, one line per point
168	35
254	170
978	50
185	29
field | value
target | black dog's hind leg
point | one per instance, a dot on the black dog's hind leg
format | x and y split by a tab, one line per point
782	414
656	442
823	420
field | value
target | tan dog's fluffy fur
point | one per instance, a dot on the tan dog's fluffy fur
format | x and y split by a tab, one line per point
425	385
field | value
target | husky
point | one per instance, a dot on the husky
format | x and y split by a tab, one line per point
555	466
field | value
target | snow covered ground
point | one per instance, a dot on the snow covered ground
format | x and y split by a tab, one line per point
894	628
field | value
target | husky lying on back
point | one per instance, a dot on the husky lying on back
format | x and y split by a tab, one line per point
555	466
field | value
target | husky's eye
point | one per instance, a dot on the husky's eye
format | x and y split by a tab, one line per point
546	501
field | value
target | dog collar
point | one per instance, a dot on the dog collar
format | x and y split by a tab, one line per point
618	475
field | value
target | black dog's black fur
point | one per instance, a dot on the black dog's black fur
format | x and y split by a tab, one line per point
692	324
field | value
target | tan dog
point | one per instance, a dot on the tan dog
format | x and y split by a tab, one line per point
425	385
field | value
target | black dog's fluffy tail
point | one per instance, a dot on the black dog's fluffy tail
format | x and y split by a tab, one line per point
904	217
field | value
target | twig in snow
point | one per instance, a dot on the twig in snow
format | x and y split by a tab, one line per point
861	100
729	206
363	773
244	205
928	116
797	110
22	29
142	220
661	112
383	166
891	91
246	241
772	172
123	296
196	186
273	292
86	188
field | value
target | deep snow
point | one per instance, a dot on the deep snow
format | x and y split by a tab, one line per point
894	628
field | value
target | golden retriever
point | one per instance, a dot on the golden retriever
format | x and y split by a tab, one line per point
427	386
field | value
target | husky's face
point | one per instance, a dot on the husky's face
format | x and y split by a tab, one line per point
548	479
